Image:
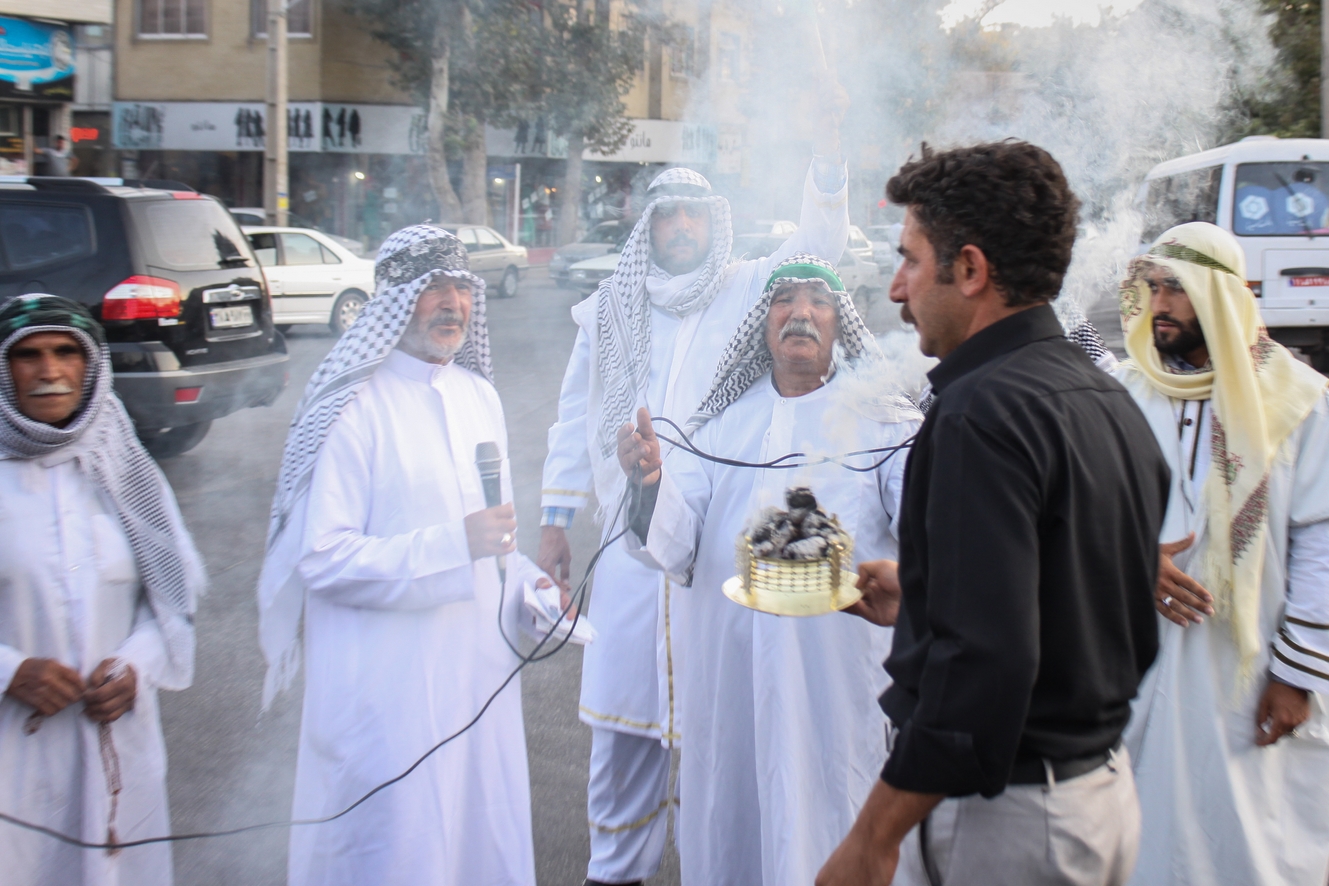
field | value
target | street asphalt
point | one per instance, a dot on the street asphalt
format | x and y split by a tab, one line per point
231	765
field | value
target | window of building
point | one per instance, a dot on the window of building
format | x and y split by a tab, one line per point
172	18
681	53
299	18
729	56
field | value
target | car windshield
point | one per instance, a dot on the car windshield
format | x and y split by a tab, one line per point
604	233
1281	199
192	235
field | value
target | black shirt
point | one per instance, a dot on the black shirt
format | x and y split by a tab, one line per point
1032	503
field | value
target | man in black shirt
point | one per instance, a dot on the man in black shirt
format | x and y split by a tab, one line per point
1028	554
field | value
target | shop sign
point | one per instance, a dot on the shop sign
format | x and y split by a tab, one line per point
36	60
311	127
651	141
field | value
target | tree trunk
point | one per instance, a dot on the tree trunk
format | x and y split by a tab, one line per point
449	207
569	211
474	174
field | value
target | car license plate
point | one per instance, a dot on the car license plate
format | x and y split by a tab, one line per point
1309	281
228	318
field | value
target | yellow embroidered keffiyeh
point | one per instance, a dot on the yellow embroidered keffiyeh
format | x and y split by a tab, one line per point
1259	393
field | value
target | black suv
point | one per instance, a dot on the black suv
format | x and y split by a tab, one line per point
169	274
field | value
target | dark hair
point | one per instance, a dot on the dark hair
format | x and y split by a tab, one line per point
1009	198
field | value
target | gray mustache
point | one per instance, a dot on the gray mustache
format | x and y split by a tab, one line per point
446	318
47	388
800	327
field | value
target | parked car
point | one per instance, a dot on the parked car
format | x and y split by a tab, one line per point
255	217
885	240
600	240
860	245
585	276
172	279
494	259
311	277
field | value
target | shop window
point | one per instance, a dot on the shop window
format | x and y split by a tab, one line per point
681	53
299	18
11	120
729	56
172	18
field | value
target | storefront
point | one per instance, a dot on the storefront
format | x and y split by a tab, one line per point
355	169
36	88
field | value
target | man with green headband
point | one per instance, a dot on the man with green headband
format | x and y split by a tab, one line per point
98	585
1228	734
784	736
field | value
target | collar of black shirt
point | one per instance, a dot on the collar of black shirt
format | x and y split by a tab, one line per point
1030	325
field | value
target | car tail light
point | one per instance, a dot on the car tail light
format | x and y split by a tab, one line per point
186	195
141	298
1256	287
187	395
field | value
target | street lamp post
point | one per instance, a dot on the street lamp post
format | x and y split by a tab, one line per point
276	197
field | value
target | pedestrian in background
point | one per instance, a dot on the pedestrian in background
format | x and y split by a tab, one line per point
1028	555
59	159
1229	738
98	584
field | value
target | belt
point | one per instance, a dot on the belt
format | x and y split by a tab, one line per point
1035	770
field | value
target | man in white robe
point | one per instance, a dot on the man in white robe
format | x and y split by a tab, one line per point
1229	735
382	538
651	335
98	583
785	738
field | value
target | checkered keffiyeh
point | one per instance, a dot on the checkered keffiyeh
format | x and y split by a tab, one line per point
102	443
747	357
406	264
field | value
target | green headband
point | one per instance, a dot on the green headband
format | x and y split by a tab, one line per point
802	271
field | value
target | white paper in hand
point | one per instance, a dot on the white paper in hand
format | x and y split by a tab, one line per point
544	609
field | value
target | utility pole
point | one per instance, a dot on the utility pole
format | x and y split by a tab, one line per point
1324	68
276	199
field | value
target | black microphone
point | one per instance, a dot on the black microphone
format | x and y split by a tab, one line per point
490	464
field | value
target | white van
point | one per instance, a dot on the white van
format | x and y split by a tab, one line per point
1273	195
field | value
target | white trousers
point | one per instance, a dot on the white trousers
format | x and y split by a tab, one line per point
1080	832
627	804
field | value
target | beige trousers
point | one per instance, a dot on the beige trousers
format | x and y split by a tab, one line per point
1080	832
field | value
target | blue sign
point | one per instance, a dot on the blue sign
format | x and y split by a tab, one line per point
36	60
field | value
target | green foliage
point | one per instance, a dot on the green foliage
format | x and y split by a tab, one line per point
1288	104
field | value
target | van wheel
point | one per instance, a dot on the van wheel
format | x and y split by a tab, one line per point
507	287
345	311
174	441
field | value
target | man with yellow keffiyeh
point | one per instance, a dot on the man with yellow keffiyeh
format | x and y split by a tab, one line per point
1229	734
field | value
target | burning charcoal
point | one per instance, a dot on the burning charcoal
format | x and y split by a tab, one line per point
806	549
764	548
817	523
763	523
800	498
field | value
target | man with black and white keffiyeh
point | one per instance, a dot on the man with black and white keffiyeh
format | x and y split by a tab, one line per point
382	542
784	735
98	584
651	336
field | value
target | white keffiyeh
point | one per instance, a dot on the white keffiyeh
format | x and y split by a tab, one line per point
102	442
406	264
622	359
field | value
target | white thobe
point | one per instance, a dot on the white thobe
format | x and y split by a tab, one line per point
402	646
627	673
1217	809
785	738
70	590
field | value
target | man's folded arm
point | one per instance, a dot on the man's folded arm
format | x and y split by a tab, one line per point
982	611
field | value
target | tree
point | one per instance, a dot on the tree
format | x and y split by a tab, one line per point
587	66
1289	104
421	33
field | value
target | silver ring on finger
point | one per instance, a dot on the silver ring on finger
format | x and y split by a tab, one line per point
1167	602
506	539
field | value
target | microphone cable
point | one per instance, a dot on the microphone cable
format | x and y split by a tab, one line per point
783	462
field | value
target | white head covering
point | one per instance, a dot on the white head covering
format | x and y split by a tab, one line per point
407	262
102	442
621	362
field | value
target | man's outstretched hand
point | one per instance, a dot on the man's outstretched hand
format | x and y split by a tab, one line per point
879	580
1178	597
639	449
